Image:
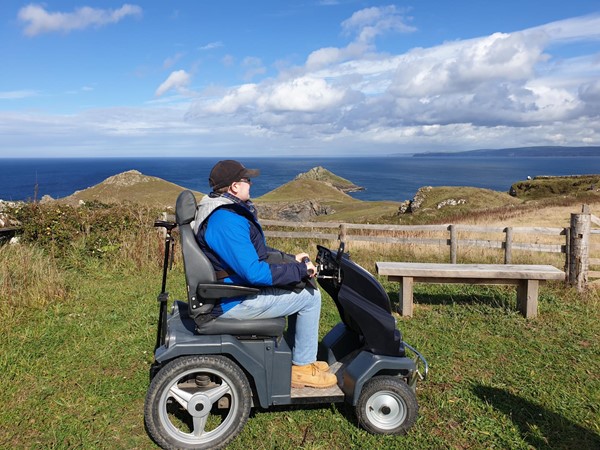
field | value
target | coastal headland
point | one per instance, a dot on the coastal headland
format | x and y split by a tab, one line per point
320	195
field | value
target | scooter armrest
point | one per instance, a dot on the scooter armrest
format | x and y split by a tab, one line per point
210	290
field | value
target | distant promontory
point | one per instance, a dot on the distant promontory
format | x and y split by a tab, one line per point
529	152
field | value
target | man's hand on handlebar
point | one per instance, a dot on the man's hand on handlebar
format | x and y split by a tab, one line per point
310	267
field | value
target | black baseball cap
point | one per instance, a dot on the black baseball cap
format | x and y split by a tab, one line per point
228	171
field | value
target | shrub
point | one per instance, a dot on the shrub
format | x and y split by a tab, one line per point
28	279
92	230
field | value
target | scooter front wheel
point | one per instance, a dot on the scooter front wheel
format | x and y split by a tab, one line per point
386	405
197	402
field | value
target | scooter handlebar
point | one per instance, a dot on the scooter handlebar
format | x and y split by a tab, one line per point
165	224
306	260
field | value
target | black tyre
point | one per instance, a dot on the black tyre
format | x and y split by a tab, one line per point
387	405
197	402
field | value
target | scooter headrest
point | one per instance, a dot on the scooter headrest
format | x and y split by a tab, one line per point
185	208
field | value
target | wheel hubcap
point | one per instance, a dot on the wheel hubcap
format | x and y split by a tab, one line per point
386	410
199	406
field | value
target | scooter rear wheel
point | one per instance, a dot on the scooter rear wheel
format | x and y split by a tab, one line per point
197	402
386	405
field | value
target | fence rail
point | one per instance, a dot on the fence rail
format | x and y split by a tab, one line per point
575	244
453	241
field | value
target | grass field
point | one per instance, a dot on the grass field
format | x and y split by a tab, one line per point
74	364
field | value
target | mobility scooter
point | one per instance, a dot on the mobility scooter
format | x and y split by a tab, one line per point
209	372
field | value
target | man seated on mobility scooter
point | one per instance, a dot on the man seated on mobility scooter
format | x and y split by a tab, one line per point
209	372
229	234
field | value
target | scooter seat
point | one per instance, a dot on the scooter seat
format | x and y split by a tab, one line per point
240	328
243	328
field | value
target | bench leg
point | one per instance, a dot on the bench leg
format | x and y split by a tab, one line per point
527	298
406	297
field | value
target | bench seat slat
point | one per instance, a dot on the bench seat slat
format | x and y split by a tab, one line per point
470	271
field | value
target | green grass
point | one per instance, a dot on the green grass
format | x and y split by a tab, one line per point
544	187
74	372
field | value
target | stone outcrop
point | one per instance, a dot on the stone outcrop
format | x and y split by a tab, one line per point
411	206
128	178
419	198
5	220
451	202
298	212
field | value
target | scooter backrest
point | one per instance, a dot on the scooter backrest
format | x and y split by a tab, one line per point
198	268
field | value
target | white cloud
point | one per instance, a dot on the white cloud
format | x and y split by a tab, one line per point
16	95
369	23
499	90
228	60
178	80
332	55
576	28
232	102
505	89
38	20
253	66
172	60
302	94
463	66
211	46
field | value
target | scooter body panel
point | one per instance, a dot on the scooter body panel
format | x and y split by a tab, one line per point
365	365
267	360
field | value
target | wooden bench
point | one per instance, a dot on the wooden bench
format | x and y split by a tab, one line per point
526	277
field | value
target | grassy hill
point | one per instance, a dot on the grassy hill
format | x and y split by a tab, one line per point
321	174
131	186
302	189
549	187
335	204
319	195
445	203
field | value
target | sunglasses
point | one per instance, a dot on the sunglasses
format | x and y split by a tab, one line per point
245	180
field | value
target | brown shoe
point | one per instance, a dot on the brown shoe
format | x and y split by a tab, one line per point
322	366
310	376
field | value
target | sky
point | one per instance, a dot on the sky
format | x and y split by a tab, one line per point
296	78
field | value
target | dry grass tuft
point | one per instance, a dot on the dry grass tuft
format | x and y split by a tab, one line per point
28	279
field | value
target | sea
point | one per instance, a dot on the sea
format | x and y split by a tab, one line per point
395	178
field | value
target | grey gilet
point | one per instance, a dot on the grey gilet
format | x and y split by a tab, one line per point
206	206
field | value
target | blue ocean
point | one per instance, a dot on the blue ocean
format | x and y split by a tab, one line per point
395	178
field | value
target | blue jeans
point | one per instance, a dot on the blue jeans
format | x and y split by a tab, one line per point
304	309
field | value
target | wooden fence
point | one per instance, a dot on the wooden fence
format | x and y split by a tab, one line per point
580	243
574	242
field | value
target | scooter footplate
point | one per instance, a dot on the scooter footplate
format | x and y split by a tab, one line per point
304	392
332	394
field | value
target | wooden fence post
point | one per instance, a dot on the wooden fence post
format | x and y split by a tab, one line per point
579	257
567	252
508	245
342	233
453	244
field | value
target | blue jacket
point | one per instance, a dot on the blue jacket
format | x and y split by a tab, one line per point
234	242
